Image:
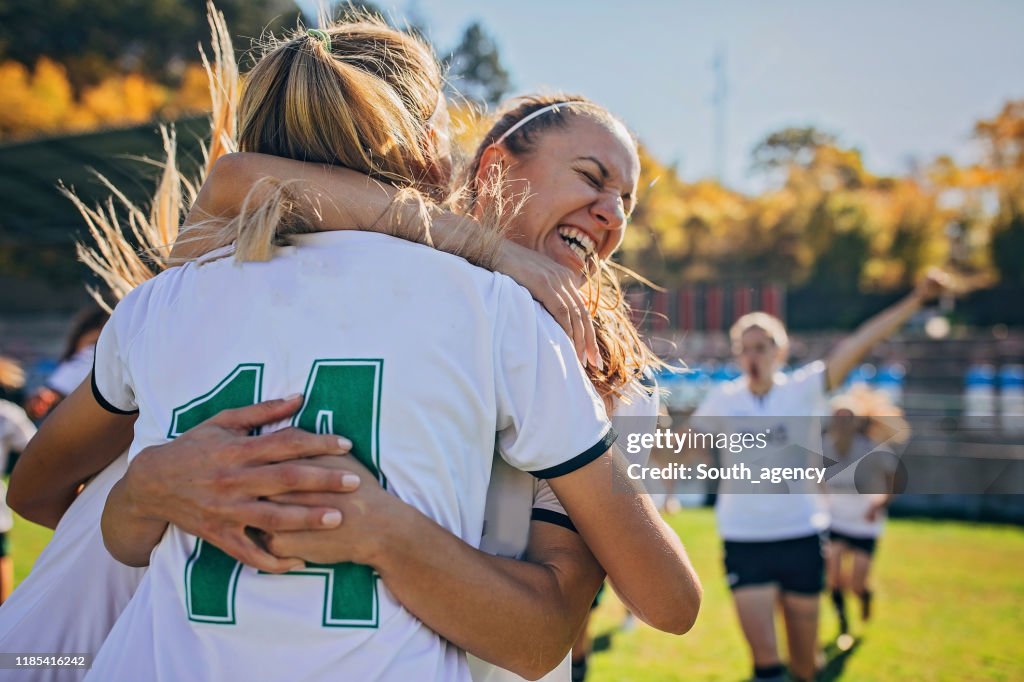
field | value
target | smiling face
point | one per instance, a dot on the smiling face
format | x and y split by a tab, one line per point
581	182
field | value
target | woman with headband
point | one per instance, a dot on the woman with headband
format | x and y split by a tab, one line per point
577	237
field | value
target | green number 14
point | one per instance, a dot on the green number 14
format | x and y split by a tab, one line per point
341	397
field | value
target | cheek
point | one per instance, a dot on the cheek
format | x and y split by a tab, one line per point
526	227
614	242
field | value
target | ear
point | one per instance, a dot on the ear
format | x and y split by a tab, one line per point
495	159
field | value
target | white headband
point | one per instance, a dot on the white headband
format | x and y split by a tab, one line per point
526	119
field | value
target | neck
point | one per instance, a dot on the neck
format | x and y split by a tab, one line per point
760	386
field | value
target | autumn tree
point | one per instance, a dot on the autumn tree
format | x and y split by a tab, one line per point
96	38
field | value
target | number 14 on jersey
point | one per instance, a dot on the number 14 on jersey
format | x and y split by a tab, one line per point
341	397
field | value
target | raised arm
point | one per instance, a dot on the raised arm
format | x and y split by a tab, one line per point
76	441
852	349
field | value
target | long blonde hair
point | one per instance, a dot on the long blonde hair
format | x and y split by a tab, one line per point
357	94
270	211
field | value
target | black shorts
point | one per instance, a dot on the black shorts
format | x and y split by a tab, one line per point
796	565
863	544
3	545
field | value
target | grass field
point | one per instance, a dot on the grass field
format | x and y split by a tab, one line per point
949	607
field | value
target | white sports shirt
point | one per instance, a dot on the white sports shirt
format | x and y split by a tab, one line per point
16	430
70	373
857	470
791	412
515	498
75	592
414	355
76	568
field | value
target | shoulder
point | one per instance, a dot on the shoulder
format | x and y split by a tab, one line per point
807	374
642	396
727	390
807	381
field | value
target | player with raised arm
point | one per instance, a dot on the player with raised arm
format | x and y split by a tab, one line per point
774	541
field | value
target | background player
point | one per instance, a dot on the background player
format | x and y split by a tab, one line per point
16	429
858	492
774	542
74	365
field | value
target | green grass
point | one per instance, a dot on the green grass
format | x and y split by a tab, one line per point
949	607
27	541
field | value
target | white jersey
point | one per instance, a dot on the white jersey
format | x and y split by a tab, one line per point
790	413
16	430
70	373
857	471
75	592
515	498
416	356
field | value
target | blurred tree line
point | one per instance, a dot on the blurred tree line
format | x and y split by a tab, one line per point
825	222
78	65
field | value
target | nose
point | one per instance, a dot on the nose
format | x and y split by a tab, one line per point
609	211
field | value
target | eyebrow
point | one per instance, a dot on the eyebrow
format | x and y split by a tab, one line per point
601	167
628	196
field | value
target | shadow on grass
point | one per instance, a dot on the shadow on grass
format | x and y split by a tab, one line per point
836	660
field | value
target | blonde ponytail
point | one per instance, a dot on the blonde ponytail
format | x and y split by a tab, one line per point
361	99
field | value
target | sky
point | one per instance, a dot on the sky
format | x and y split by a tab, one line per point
902	80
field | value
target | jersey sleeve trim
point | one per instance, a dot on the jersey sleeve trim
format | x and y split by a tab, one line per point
557	518
104	403
582	459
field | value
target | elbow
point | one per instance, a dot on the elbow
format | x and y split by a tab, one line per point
29	506
534	662
119	550
538	667
126	558
228	172
677	615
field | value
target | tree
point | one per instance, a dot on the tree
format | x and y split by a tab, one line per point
475	69
95	38
788	147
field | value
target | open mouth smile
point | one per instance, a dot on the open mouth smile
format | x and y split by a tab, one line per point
580	243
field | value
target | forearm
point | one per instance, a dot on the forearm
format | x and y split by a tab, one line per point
631	541
853	348
78	440
330	198
515	614
671	601
128	533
